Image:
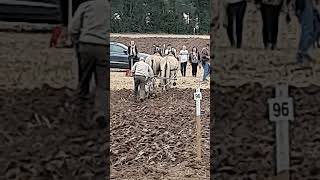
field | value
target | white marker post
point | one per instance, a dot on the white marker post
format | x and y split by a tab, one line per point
198	98
280	112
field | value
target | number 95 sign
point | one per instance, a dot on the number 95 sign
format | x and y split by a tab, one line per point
281	108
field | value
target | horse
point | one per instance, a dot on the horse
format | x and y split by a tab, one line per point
169	67
154	61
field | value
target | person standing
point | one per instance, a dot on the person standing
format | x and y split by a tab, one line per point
132	53
194	59
163	50
171	50
141	71
89	30
270	13
234	12
183	57
205	58
305	14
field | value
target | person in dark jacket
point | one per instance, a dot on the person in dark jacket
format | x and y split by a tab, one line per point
205	59
305	14
194	59
270	12
132	53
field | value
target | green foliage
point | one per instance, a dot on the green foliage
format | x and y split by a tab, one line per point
160	16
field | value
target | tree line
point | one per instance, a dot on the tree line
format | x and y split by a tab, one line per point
160	16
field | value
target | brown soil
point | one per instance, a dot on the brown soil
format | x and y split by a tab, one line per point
41	138
145	44
156	139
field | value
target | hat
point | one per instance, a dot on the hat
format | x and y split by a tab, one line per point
141	59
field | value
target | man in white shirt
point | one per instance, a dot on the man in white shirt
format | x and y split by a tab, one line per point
141	71
183	57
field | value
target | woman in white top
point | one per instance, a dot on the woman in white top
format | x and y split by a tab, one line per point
183	58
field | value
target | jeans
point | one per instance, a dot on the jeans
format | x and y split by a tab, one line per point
236	11
183	69
307	30
270	18
92	60
205	70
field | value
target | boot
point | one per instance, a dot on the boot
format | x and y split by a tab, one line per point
101	121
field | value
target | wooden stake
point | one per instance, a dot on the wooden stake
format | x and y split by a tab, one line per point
198	121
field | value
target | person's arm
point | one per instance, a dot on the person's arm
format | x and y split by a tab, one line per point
202	55
133	68
129	49
187	55
76	24
136	50
150	71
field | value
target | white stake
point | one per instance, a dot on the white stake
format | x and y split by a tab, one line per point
280	112
197	98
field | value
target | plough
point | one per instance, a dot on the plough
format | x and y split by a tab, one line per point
151	84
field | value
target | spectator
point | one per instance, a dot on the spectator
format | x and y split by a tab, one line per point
305	14
163	49
171	50
183	57
270	12
89	30
235	11
194	59
132	53
205	58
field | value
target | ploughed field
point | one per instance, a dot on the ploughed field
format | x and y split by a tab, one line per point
157	138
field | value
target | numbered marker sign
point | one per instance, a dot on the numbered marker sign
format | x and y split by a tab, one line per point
197	96
281	109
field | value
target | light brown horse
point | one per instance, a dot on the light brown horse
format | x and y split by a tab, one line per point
169	67
154	61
